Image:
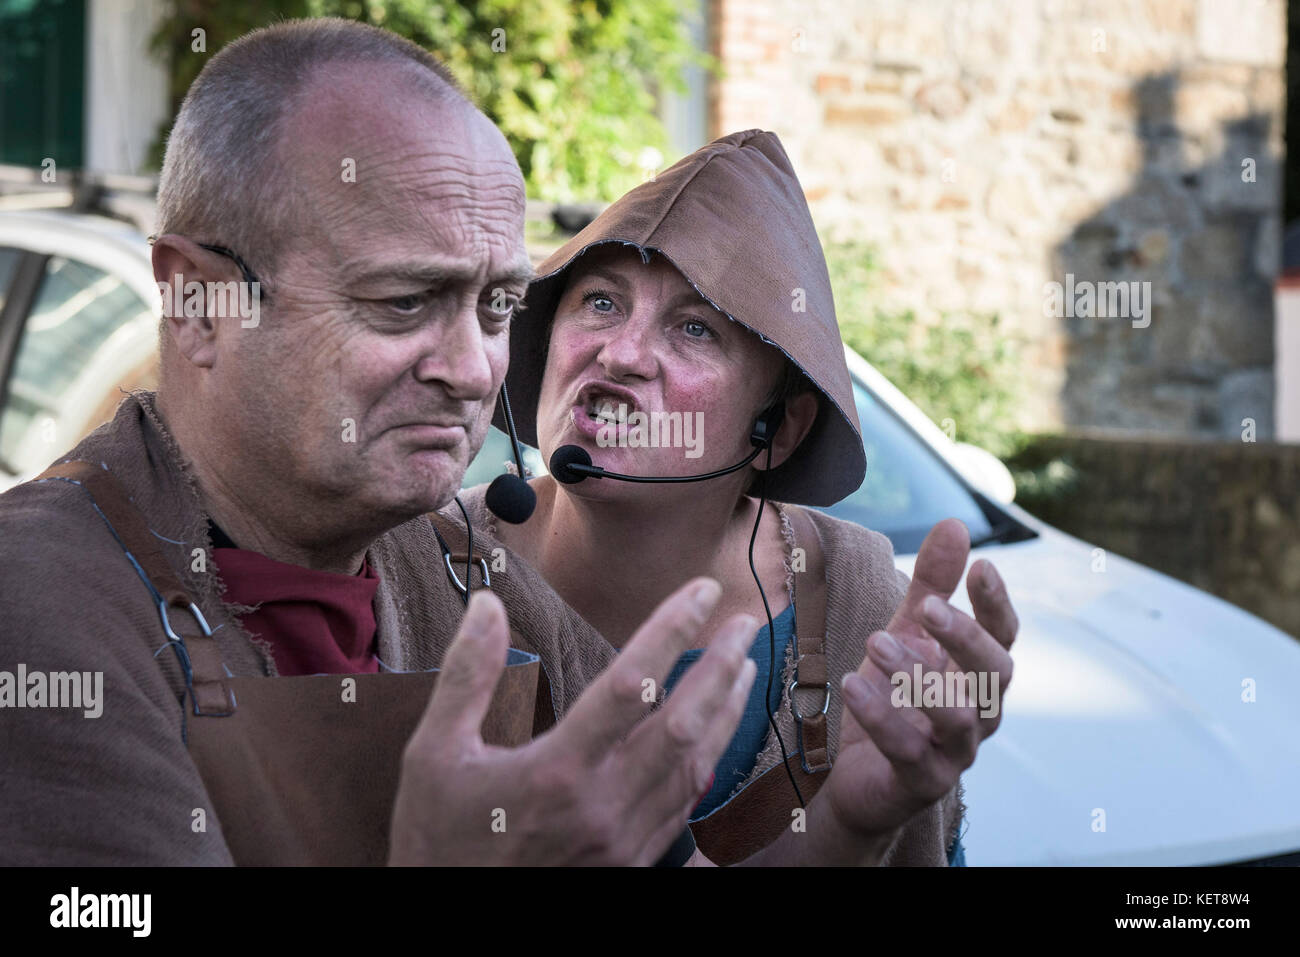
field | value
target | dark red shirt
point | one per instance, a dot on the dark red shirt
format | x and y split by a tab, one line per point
315	622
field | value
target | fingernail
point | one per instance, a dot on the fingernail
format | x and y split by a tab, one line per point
887	646
853	686
991	579
746	628
705	594
936	612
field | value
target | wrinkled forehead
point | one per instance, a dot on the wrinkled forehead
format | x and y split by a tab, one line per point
380	155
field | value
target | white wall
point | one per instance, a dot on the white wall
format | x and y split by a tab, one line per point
126	87
1287	363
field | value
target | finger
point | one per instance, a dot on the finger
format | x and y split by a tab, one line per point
939	566
966	640
992	603
662	803
693	717
907	746
470	671
890	665
952	718
615	701
671	758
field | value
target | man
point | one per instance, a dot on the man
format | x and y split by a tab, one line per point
286	463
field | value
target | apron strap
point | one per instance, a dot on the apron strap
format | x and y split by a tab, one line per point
810	643
186	629
454	541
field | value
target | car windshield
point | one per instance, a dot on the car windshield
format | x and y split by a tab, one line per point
907	489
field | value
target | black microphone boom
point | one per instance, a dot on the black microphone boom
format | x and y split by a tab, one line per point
567	460
510	497
571	464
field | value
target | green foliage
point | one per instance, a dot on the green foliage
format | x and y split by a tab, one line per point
571	83
1046	477
964	367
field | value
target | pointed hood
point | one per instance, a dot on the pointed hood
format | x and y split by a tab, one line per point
732	218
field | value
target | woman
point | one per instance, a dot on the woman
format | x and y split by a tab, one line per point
692	313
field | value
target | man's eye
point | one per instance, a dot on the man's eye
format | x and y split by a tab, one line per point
697	330
502	306
408	304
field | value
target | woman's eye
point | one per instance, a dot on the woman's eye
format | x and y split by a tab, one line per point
599	301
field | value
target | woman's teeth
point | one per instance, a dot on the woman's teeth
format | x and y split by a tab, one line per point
607	411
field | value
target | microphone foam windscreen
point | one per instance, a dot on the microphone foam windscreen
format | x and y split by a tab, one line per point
565	456
510	499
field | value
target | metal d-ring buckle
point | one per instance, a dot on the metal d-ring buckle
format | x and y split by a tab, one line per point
794	707
455	579
178	645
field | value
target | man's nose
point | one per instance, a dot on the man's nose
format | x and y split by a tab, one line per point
457	355
628	352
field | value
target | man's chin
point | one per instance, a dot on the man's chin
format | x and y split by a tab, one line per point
421	481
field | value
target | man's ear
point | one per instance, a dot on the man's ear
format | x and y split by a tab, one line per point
182	269
800	413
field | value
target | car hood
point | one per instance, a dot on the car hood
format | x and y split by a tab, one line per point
1128	735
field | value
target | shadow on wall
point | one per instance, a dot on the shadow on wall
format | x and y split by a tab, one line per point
1166	292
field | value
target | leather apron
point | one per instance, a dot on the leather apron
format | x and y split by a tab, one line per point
299	770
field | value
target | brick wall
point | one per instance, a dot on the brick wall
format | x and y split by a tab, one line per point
992	146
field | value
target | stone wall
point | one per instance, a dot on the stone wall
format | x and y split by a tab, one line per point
1223	516
992	146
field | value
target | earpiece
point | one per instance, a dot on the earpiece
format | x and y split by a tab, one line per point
767	424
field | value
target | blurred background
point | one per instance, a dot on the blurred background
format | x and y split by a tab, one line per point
969	163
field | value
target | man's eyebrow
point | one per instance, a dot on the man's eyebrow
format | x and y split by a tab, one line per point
427	273
520	275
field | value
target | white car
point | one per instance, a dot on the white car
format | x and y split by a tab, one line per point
1149	723
79	313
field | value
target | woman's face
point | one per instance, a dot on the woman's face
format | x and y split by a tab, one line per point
633	343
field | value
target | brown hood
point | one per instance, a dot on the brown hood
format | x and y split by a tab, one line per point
732	218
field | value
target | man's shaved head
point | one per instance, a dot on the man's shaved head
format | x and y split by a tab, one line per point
224	178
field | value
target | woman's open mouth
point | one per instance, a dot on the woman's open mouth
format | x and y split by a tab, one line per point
603	405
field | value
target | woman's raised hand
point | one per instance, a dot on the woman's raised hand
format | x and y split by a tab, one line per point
897	754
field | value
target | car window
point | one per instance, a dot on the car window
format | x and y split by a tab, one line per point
76	332
492	458
907	488
9	258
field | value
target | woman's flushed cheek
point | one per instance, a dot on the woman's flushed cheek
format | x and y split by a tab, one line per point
717	427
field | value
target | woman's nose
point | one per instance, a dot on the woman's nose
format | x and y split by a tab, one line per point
629	351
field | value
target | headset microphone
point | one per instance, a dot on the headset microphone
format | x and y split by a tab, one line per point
510	497
571	464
